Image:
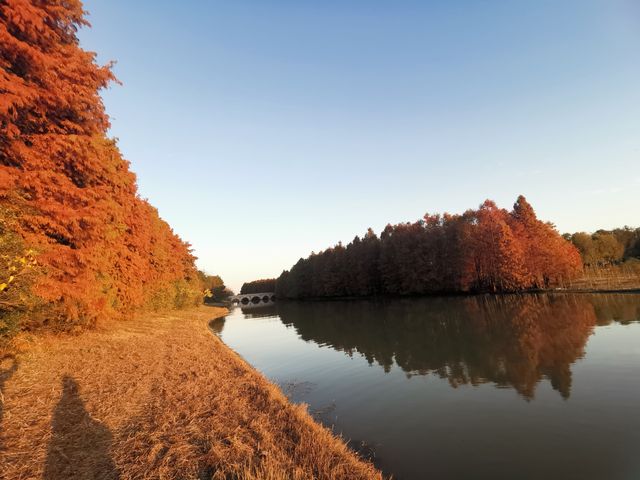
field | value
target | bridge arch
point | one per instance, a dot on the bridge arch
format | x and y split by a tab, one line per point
252	299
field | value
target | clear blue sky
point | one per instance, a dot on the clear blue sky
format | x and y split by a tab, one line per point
263	130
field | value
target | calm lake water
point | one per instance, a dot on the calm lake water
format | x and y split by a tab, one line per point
500	387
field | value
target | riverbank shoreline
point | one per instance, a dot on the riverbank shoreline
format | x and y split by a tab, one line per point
633	290
158	397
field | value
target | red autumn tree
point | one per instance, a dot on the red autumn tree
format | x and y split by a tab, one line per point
483	250
549	258
65	189
498	256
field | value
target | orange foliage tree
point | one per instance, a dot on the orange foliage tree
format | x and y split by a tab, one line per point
485	250
65	190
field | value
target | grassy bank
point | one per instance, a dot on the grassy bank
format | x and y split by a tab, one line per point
625	276
157	398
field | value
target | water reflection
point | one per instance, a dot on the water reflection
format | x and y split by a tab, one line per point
260	311
512	341
217	325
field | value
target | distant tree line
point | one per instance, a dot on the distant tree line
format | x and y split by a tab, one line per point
215	289
607	247
488	249
266	285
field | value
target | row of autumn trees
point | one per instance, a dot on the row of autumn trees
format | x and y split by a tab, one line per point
488	249
265	285
607	247
77	243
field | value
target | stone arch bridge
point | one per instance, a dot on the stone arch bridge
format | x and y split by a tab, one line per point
254	298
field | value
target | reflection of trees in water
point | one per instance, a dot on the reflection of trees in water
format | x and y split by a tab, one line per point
260	311
512	341
621	308
217	325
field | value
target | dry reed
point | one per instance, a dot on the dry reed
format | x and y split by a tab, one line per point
621	277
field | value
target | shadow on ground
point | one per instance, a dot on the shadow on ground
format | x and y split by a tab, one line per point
80	446
8	366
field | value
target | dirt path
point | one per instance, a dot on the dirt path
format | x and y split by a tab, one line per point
159	397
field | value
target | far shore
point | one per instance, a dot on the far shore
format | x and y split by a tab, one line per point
468	294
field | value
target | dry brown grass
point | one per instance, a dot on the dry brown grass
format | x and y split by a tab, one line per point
625	276
158	398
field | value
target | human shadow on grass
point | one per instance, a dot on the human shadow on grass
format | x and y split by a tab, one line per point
80	446
8	366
